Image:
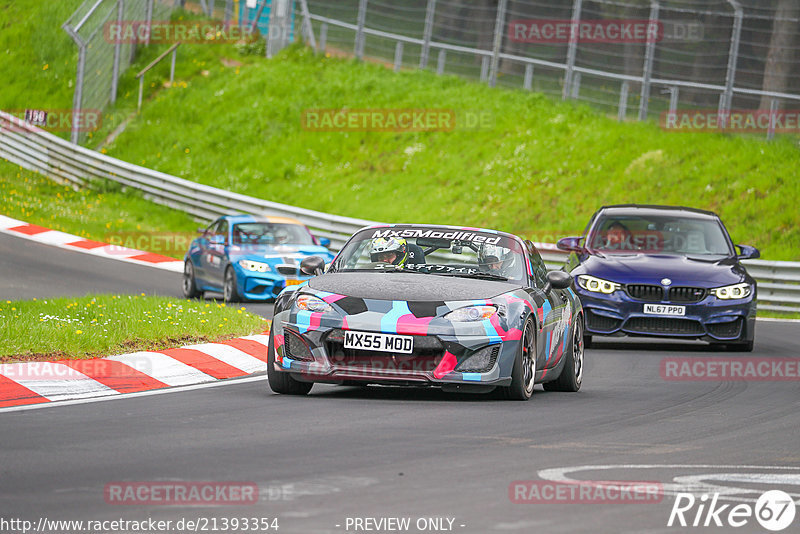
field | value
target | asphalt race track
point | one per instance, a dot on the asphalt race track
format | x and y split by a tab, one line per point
384	452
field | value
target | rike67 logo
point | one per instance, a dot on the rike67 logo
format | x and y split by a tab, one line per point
774	510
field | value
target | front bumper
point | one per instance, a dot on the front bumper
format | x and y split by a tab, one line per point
316	353
710	319
263	286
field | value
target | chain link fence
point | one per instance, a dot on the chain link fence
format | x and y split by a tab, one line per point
101	60
635	59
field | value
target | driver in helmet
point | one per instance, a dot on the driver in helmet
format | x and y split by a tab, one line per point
493	259
393	250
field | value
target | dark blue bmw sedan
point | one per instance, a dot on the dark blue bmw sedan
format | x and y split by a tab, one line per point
663	271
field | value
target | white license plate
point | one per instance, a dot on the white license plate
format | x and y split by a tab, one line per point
665	309
379	342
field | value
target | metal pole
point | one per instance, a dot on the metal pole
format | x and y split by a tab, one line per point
440	62
117	52
427	33
485	68
323	36
149	20
528	82
211	8
78	96
773	110
733	58
647	71
575	86
398	55
362	17
673	99
573	47
309	29
499	30
172	67
257	17
623	101
141	90
228	11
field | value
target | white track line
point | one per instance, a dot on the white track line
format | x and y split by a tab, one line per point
163	368
232	356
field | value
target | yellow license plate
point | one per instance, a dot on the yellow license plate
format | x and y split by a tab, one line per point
294	282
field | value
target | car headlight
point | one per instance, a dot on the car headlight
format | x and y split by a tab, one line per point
471	313
597	285
313	304
256	266
735	291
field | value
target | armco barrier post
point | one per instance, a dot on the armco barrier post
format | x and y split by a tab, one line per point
117	52
362	17
726	98
647	70
572	50
499	32
430	11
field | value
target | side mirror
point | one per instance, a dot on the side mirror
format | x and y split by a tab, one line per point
570	244
557	280
748	253
312	266
324	241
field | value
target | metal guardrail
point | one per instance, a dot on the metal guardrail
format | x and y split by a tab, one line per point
40	151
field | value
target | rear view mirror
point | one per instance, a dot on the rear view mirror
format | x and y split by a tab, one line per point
312	266
748	252
570	244
557	280
427	242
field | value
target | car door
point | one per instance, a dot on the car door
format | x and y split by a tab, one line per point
216	256
554	312
200	256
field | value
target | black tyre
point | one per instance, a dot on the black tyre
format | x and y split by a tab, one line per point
283	383
523	375
189	284
229	291
572	373
587	341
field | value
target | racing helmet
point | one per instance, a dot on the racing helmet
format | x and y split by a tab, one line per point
491	255
382	249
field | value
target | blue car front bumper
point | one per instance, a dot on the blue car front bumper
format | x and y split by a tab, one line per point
262	286
710	319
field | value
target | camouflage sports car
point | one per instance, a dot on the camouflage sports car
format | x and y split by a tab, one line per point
464	309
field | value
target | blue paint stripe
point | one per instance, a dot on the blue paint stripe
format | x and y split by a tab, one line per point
287	363
566	336
389	320
472	377
491	331
303	321
547	348
546	308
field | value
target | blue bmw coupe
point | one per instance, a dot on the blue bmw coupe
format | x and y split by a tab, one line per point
663	271
249	258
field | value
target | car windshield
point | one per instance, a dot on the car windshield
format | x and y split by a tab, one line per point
434	251
659	234
265	233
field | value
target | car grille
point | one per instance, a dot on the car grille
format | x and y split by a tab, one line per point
601	323
288	269
648	293
428	352
687	294
726	330
663	325
295	348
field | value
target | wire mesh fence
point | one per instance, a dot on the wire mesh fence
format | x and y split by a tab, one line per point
631	58
101	59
